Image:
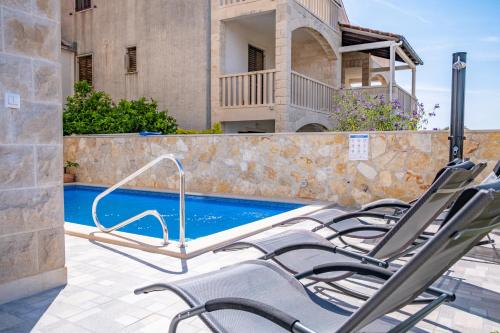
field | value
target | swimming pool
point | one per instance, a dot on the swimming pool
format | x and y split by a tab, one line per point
205	215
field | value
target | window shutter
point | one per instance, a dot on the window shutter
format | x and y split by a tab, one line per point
82	5
85	68
132	59
255	59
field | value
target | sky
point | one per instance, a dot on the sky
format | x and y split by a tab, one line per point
436	29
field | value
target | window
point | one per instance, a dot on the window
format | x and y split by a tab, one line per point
131	59
255	59
85	68
82	5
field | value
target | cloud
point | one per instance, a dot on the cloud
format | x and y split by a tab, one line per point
403	11
490	39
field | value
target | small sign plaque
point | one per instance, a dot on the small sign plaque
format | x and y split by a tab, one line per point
359	147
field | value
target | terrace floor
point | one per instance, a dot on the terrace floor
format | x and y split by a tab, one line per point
101	279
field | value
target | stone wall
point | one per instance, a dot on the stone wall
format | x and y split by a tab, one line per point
31	201
299	165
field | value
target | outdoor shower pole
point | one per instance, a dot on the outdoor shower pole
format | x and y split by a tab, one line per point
457	106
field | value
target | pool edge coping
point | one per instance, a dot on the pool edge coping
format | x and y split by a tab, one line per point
197	246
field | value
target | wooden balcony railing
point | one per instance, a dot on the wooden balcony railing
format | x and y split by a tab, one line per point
224	3
311	94
407	101
247	89
325	10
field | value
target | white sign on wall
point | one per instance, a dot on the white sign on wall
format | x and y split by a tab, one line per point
359	147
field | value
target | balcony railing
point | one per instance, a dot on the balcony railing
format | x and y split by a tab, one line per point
224	3
311	94
325	10
407	101
247	89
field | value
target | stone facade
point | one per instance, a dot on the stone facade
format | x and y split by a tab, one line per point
292	20
313	165
172	40
31	197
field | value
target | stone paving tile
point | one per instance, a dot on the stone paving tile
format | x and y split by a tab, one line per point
99	295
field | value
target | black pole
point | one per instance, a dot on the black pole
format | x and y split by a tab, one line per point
458	106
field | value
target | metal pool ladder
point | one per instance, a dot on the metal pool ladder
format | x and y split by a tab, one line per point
155	213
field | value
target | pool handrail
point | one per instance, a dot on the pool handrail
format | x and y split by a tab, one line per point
155	213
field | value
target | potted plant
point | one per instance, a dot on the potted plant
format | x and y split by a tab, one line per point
69	177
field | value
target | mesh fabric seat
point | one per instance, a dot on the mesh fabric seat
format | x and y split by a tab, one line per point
257	296
264	282
396	239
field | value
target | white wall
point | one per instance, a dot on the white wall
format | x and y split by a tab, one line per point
236	40
68	73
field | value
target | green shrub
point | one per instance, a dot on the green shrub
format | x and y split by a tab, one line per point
362	112
216	129
93	112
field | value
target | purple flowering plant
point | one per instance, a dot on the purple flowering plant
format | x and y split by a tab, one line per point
358	111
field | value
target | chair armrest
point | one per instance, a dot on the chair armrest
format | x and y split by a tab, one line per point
321	247
368	270
361	269
260	309
151	288
386	203
381	228
348	216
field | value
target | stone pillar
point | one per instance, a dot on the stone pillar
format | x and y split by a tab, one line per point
392	71
414	82
339	72
365	71
283	65
31	190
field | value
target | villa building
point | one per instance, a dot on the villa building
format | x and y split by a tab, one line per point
252	65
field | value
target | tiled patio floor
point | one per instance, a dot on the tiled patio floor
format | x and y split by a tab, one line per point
99	294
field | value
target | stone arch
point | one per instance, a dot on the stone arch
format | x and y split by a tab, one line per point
312	55
314	120
380	78
322	41
302	18
313	127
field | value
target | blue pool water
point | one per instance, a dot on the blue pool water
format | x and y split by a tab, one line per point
204	215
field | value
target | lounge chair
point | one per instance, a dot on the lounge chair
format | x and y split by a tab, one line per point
492	177
394	242
257	296
394	208
388	205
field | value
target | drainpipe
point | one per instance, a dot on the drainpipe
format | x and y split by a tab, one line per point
457	106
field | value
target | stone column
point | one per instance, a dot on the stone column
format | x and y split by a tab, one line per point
216	54
365	71
283	65
31	190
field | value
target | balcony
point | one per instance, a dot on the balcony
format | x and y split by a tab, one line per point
252	89
224	3
311	94
325	10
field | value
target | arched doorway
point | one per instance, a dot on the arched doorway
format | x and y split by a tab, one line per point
312	128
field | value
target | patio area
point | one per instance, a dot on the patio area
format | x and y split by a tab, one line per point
101	279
